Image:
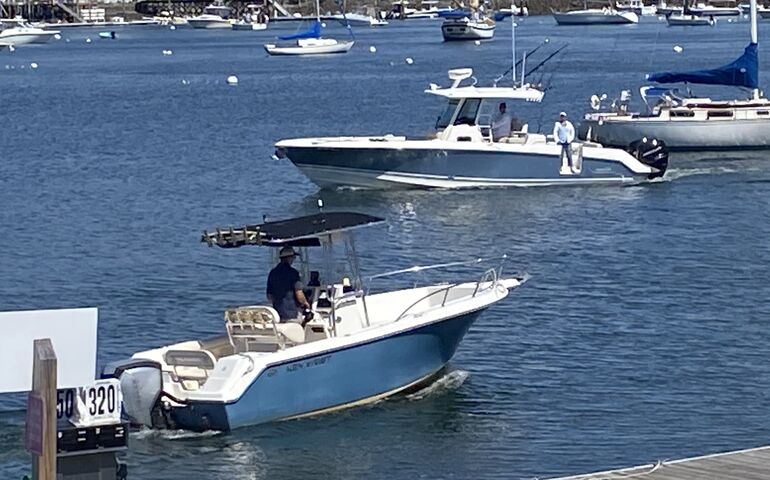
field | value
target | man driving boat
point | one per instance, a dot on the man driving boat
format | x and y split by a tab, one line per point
284	289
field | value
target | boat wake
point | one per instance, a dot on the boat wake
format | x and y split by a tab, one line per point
145	433
673	174
446	383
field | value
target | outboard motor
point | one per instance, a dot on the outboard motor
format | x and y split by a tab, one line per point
651	152
140	382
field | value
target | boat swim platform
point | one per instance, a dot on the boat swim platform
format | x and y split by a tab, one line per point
751	464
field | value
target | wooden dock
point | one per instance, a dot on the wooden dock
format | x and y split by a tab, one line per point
752	464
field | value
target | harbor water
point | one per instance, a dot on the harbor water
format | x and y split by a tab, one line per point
642	334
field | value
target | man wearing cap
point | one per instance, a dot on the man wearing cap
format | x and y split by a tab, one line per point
564	134
284	289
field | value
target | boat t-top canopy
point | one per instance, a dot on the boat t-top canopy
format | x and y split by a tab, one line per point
298	232
524	92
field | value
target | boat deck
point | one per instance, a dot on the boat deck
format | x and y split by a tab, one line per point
752	464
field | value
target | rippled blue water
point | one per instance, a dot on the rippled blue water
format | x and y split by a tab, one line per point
642	334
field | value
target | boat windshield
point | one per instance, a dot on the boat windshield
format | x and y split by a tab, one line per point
467	115
446	117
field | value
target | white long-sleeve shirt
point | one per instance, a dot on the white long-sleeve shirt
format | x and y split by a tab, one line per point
501	125
564	132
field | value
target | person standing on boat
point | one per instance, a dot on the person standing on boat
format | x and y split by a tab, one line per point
284	289
501	123
564	134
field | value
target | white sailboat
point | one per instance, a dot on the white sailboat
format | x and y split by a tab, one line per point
309	42
685	122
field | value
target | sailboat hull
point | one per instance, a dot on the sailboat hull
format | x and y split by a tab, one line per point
595	17
310	48
681	134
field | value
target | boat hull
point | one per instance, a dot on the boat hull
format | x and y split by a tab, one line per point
692	21
681	134
339	47
26	38
399	168
619	18
455	31
336	379
249	26
208	24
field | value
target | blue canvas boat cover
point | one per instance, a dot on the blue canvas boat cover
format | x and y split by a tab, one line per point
743	72
313	32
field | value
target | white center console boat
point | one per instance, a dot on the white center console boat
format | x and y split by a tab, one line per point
355	346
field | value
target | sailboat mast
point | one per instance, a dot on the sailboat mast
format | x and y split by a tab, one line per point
318	11
513	43
754	36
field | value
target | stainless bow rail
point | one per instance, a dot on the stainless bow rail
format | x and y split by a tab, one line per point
491	276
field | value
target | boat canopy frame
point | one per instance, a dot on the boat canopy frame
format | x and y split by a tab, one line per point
305	231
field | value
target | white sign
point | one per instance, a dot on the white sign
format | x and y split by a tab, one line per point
97	404
72	333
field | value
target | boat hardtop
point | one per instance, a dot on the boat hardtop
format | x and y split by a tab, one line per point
525	92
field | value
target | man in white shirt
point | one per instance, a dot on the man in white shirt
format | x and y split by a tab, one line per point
501	123
564	134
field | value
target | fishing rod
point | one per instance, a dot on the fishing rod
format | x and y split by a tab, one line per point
544	42
537	67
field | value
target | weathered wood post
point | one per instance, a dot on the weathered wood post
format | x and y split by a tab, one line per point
41	411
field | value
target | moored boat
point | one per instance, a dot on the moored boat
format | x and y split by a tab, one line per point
215	15
687	122
467	28
354	346
595	16
17	31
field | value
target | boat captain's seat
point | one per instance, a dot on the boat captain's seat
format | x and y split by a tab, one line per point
190	367
258	328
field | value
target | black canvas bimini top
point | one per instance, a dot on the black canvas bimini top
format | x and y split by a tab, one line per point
301	231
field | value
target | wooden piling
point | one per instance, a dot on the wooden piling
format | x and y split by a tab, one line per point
44	386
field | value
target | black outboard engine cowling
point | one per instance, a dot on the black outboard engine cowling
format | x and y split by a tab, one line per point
651	152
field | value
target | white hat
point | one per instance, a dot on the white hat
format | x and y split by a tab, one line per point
563	114
287	252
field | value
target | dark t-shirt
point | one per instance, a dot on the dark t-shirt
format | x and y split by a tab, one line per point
281	284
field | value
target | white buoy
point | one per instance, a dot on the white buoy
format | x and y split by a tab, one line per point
232	80
373	49
409	60
172	27
477	42
57	36
678	49
168	52
88	40
33	65
323	24
185	82
11	48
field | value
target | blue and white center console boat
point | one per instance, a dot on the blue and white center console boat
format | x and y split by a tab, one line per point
465	153
354	347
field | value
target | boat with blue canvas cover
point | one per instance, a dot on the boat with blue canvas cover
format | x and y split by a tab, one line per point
686	122
310	42
356	345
